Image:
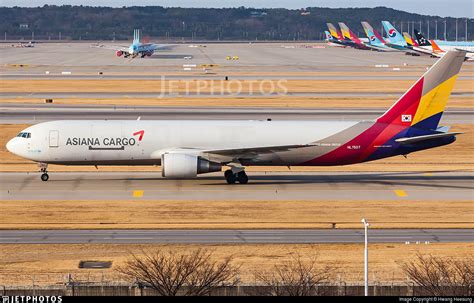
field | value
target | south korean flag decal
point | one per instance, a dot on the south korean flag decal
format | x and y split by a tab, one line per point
406	118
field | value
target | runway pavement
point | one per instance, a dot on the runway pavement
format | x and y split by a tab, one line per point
95	76
26	113
283	236
350	186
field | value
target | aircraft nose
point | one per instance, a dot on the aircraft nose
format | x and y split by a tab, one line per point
12	146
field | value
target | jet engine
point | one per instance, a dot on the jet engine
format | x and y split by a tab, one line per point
181	166
119	53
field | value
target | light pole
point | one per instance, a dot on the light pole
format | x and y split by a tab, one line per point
436	29
456	29
366	258
465	34
445	37
428	28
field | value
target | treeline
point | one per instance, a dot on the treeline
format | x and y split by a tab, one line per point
106	23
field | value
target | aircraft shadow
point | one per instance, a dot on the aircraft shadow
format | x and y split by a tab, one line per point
374	179
413	179
171	56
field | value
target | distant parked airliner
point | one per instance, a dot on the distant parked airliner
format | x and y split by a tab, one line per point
187	148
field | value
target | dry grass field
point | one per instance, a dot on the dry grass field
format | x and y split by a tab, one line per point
48	264
207	86
162	214
457	156
235	101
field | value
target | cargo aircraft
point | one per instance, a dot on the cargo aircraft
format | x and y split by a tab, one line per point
187	148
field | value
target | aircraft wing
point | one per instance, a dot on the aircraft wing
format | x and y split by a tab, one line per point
380	48
410	140
161	46
122	48
464	50
425	51
228	155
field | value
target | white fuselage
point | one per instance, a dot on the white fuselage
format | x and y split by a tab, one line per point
446	48
118	142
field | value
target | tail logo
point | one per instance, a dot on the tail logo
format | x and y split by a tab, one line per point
406	118
392	33
372	38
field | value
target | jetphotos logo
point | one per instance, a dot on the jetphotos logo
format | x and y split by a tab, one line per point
224	87
107	143
32	299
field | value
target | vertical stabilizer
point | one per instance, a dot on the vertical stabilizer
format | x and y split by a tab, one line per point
423	104
410	41
348	34
393	35
422	41
374	37
136	35
436	48
334	32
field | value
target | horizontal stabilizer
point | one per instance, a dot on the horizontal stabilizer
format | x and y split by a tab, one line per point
443	129
410	140
465	50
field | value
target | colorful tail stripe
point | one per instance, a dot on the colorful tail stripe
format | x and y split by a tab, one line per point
347	33
410	41
334	32
436	48
416	113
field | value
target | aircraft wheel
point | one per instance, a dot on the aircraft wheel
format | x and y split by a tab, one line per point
44	177
227	173
242	177
231	178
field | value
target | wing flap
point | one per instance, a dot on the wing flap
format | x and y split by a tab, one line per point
253	151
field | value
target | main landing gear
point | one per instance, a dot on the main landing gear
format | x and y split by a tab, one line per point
232	177
44	170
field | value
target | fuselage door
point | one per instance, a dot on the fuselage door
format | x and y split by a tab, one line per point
53	138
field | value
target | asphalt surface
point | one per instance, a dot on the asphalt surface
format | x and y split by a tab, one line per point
91	76
350	186
73	57
283	236
31	114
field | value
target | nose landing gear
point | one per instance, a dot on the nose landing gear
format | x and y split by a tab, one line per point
232	177
44	170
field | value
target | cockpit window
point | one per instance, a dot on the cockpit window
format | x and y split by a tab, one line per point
24	135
